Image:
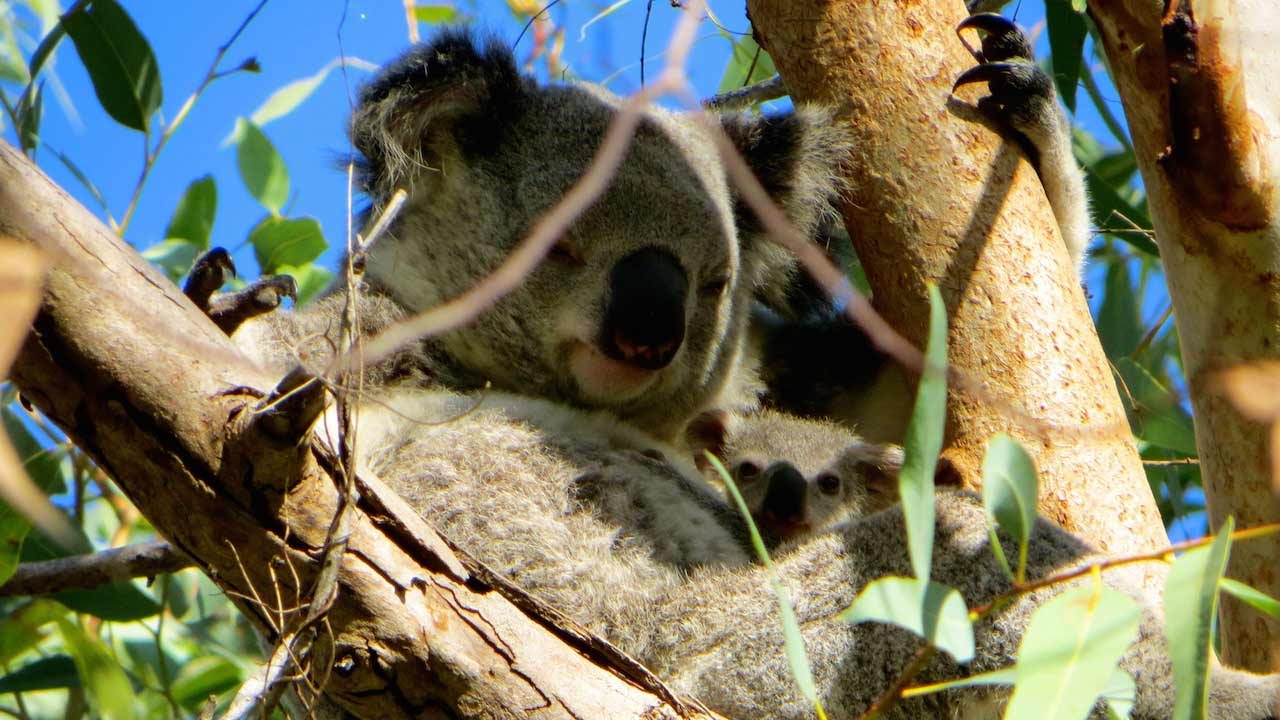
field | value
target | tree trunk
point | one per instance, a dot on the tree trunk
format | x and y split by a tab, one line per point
940	196
1201	99
146	385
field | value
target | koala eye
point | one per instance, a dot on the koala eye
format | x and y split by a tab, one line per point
746	471
566	252
829	483
713	288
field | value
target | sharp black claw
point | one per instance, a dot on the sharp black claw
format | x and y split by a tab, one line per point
1001	38
208	275
983	73
987	22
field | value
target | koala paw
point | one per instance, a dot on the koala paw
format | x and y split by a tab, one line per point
230	310
1022	94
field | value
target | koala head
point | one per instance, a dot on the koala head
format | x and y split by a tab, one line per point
799	476
639	307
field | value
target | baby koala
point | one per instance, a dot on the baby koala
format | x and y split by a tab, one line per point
798	476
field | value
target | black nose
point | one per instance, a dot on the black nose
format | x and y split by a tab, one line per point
784	500
644	323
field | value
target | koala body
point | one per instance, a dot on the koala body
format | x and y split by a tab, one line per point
633	325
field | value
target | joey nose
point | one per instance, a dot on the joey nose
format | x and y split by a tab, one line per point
785	496
645	321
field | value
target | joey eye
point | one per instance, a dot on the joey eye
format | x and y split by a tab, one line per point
829	483
746	471
566	252
713	288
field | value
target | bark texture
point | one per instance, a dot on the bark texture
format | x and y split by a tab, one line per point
939	196
1200	85
144	383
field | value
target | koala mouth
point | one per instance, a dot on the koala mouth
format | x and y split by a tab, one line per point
603	380
782	528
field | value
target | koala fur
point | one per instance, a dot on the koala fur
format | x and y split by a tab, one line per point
545	478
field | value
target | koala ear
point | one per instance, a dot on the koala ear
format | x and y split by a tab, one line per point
451	95
708	431
797	157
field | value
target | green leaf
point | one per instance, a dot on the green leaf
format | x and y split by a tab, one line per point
193	218
174	256
1010	490
1190	608
1121	695
24	628
45	471
1070	651
30	110
748	65
108	689
118	601
1118	216
287	98
931	610
1156	416
435	13
792	640
1119	324
311	279
1066	42
261	167
121	65
279	242
1256	599
924	442
84	180
48	673
202	677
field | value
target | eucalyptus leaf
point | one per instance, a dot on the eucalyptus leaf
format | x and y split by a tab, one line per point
311	279
924	441
281	242
1067	32
931	610
193	218
202	677
748	65
261	167
107	688
1190	608
47	673
45	471
1256	599
121	65
1119	323
435	13
1070	652
1010	490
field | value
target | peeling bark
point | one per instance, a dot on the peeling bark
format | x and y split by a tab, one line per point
939	196
1198	84
150	389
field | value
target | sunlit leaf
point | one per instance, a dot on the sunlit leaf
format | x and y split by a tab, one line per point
924	442
748	65
931	610
1256	599
1121	695
435	13
175	257
1156	416
42	466
202	677
1190	607
261	167
1010	490
311	279
1066	42
48	673
25	627
279	242
121	65
193	218
106	686
30	111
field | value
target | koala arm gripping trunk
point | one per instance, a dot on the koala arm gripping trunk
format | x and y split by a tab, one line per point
936	196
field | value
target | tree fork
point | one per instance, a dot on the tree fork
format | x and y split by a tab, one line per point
938	195
1203	108
124	363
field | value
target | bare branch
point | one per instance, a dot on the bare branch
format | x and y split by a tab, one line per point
83	572
760	92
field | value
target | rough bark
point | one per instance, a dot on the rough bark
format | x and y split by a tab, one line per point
1203	107
145	384
938	195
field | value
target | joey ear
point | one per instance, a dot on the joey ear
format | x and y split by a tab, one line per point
451	95
708	431
797	157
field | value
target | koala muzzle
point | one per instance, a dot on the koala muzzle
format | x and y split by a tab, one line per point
644	323
784	499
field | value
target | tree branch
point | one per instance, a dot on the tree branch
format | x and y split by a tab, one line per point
82	572
154	393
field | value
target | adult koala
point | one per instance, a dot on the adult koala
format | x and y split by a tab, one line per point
637	315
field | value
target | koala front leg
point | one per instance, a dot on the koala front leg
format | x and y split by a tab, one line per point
1022	98
230	310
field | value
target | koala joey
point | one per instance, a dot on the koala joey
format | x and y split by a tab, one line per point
637	318
798	476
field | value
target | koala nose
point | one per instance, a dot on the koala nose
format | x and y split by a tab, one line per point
785	499
644	323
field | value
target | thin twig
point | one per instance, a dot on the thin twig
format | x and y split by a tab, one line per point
760	92
84	572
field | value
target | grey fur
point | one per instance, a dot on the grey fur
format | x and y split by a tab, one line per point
547	481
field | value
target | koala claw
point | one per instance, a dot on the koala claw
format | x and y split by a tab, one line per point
207	275
230	310
1022	94
1001	38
